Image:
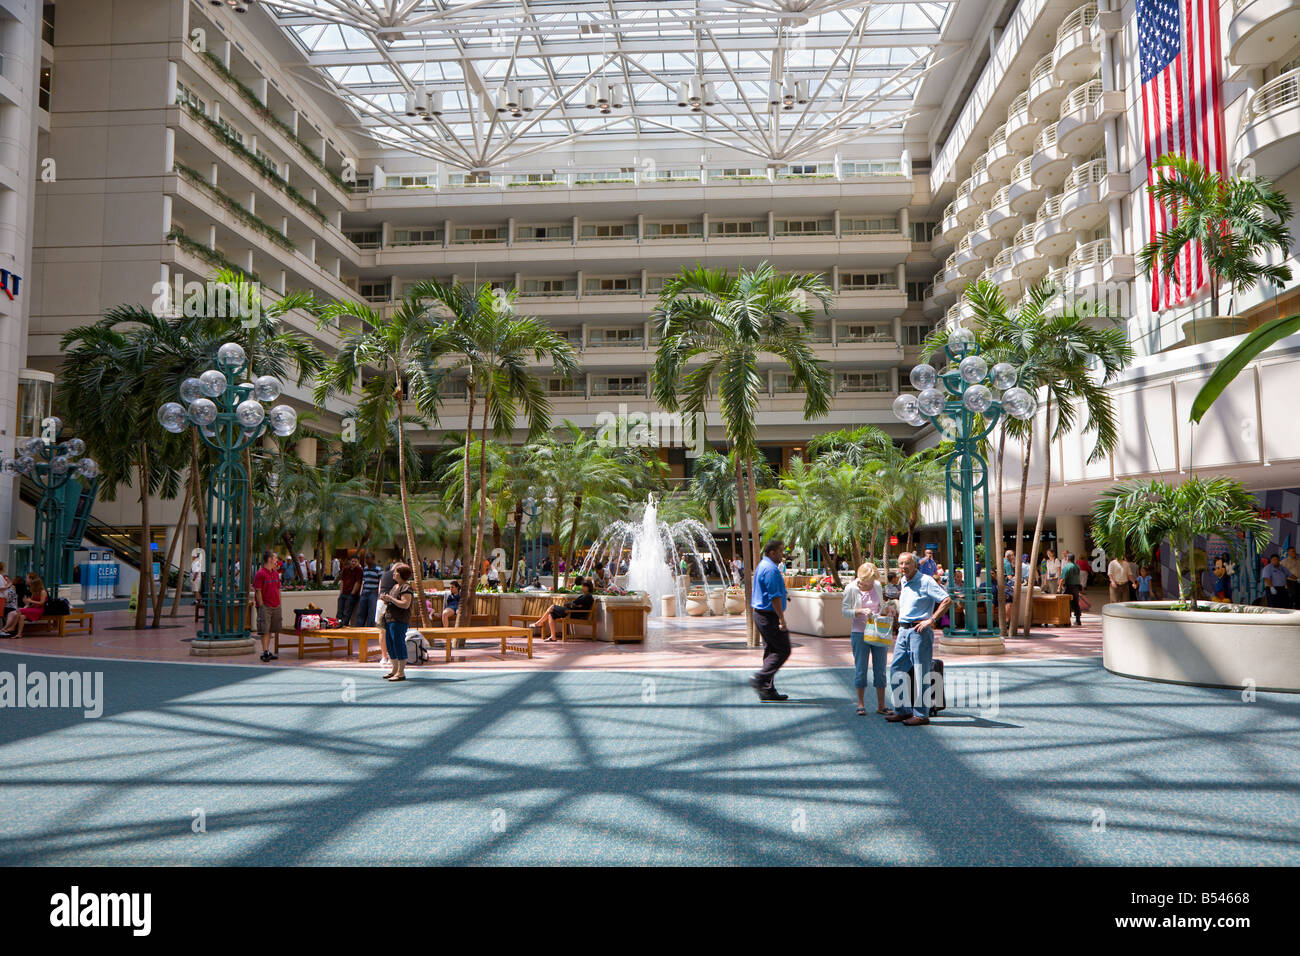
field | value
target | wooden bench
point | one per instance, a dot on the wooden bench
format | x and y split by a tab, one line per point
510	638
325	644
535	605
574	619
76	621
483	612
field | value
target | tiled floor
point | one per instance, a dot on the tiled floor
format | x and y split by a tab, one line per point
671	643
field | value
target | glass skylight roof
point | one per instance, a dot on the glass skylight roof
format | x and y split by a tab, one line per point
478	83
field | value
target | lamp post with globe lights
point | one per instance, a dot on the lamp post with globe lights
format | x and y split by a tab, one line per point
51	464
960	403
229	416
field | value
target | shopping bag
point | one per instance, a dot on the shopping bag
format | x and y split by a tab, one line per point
879	630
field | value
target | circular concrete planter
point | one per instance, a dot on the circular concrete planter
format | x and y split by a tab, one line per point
735	603
1259	648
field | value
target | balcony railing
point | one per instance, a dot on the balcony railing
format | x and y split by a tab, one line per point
1042	69
1089	254
979	165
1080	19
1050	209
1089	173
1022	169
1000	198
998	136
1019	105
1277	94
1082	96
1002	259
1046	139
964	244
1025	237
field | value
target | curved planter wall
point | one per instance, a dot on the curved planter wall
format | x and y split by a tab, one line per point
1211	649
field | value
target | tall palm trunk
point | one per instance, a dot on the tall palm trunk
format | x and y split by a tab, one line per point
196	509
517	547
482	499
144	589
993	549
467	519
1017	597
747	566
160	597
571	554
755	535
411	556
1041	518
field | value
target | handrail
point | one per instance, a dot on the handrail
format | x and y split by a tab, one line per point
962	191
978	166
1019	105
997	137
1024	236
1044	67
1046	138
1050	209
1090	173
950	264
981	223
963	244
1002	259
1022	169
1089	254
1000	198
1278	93
1079	19
950	211
1082	96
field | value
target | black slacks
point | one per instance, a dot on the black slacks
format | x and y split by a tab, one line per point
776	646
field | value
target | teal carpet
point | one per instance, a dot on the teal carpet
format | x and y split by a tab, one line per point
601	767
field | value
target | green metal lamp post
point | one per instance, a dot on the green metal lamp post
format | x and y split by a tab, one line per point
52	464
229	416
966	414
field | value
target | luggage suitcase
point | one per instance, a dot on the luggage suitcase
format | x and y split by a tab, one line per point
939	704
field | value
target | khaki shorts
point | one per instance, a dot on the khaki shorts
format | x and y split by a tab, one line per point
268	620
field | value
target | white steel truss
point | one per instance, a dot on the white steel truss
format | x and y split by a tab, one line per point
780	80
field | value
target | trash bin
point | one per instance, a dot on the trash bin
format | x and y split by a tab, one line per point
668	605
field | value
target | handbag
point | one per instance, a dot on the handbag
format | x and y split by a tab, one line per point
1084	603
879	630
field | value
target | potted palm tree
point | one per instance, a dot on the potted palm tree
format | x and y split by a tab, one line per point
1235	221
1185	641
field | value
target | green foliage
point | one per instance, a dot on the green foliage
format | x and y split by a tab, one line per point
234	207
1231	365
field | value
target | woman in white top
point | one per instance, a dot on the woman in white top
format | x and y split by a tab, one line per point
1052	580
863	596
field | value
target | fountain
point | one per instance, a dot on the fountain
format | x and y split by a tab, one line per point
657	548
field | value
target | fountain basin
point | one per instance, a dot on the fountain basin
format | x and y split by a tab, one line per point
816	613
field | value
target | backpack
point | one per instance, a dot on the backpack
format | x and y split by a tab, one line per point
57	606
417	648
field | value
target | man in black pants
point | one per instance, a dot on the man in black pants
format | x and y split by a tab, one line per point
768	603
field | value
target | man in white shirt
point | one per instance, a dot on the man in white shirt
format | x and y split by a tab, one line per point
1052	580
1118	575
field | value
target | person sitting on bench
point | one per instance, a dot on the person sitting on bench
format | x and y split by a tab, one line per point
583	602
451	605
32	609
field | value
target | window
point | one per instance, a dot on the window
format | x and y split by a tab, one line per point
572	336
375	290
544	233
803	169
924	231
417	237
914	335
618	385
231	131
670	230
364	238
187	97
874	226
862	382
469	179
868	281
605	176
549	286
452	388
558	386
783	383
856	332
619	337
668	175
872	167
748	228
916	291
613	286
804	227
47	23
412	181
527	177
740	172
362	185
480	234
617	230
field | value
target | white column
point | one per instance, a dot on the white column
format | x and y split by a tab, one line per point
904	223
902	277
510	232
706	227
446	233
1069	534
577	228
836	226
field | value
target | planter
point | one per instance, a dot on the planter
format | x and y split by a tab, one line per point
1258	648
327	601
622	619
697	604
735	603
816	613
1210	327
717	598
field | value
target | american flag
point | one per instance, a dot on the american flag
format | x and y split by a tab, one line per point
1182	108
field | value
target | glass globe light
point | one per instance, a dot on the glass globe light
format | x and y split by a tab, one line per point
973	369
88	468
1004	375
978	399
213	382
930	402
32	446
1019	403
11	467
961	337
283	420
191	389
171	417
231	355
203	411
266	388
75	447
52	426
916	421
249	413
905	407
59	465
27	464
923	377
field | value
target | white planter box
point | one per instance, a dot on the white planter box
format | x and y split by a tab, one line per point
816	613
1214	649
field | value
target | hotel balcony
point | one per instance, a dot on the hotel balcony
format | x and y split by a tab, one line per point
1051	238
1262	31
1023	193
982	242
950	281
1003	275
950	227
1050	164
1086	194
1022	125
968	263
982	183
1003	220
1046	90
961	313
1094	264
1270	128
1074	58
934	300
963	206
1000	158
1082	126
1026	261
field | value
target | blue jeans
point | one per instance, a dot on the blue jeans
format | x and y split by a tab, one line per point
347	604
914	650
864	652
395	638
365	613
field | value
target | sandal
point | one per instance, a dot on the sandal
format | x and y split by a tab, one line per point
882	710
862	711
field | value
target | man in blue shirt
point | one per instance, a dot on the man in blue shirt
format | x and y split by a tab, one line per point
928	565
768	603
920	602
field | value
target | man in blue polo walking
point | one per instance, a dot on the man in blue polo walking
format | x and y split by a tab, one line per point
921	601
768	603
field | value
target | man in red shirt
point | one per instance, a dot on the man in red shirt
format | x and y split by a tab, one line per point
266	591
349	590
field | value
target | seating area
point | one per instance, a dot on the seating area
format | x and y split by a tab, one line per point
76	621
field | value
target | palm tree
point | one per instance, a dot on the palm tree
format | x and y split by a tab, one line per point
392	360
713	485
325	507
713	328
1138	515
480	335
1234	220
854	445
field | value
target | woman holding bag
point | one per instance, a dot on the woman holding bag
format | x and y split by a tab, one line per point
863	601
397	619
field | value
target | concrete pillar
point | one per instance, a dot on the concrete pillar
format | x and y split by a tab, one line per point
1069	534
510	232
835	226
904	224
306	450
902	277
